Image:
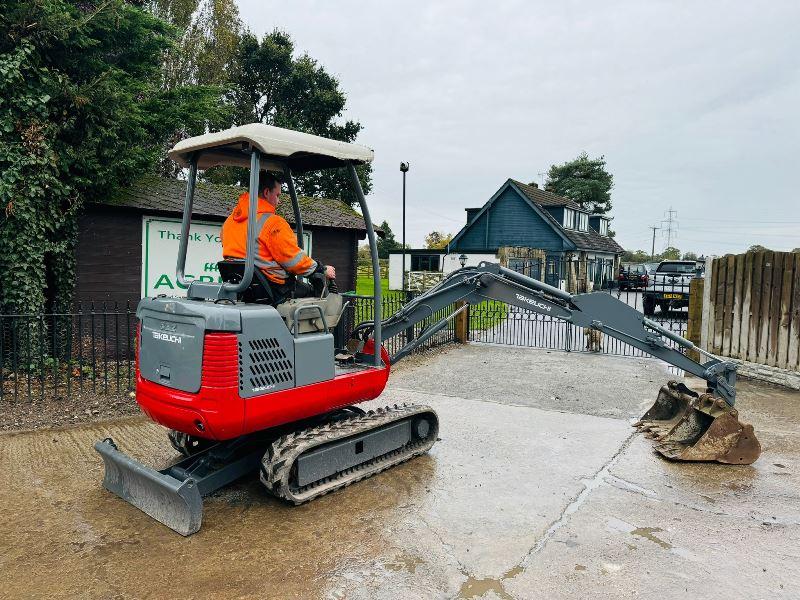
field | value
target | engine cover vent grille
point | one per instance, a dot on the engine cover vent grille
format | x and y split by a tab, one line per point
265	366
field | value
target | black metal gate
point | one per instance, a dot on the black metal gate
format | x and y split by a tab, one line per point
497	323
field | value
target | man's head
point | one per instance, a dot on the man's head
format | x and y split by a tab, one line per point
270	186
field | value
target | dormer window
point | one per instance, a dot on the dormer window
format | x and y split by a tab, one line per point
604	227
583	222
569	218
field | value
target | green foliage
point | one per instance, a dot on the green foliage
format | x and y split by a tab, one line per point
758	248
639	256
437	240
270	85
670	253
584	180
81	111
388	243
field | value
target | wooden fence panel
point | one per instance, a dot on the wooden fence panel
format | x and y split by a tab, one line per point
785	313
727	320
744	314
755	300
793	361
775	309
766	296
718	293
755	311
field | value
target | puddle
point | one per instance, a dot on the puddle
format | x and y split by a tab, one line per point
648	534
404	562
476	588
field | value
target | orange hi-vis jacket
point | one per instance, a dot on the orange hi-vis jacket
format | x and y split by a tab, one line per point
277	253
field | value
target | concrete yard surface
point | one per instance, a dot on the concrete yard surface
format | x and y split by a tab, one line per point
538	488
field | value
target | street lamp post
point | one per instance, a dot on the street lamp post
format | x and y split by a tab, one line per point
404	170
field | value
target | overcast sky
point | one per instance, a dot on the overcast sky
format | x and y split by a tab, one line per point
695	105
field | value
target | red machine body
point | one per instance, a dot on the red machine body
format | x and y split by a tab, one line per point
217	411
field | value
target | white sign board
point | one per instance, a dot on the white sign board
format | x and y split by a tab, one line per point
160	239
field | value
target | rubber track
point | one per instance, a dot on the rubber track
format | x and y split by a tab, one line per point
276	466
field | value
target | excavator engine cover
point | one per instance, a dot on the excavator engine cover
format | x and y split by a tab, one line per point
691	427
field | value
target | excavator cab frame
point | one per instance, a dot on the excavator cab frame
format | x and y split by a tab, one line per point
250	145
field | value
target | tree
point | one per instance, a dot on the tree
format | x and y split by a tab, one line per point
270	85
670	253
437	240
640	256
81	112
689	256
795	250
584	180
207	44
203	54
758	248
388	243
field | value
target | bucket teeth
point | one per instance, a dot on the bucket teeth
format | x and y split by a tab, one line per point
688	428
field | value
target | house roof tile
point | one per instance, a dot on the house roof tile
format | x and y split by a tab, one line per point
583	240
162	194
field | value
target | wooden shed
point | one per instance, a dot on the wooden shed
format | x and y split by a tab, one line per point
115	238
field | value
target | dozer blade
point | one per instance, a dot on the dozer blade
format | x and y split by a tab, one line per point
175	503
691	427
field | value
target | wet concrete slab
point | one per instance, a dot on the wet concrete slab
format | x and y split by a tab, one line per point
519	499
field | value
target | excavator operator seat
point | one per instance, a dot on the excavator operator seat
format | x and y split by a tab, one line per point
308	317
301	310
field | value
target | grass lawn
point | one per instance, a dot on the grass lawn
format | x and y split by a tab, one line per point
366	287
482	316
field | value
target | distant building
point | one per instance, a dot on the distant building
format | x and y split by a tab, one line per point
574	244
127	244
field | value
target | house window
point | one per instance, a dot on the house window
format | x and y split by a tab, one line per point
583	222
603	227
569	218
425	262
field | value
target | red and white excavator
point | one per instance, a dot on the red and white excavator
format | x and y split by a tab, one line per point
245	383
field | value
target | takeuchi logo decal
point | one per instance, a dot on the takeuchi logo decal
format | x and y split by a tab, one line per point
167	337
535	303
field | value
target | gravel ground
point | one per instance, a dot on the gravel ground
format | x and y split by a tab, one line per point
56	411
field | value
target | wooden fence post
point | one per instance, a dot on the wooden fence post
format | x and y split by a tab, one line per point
694	327
462	323
708	309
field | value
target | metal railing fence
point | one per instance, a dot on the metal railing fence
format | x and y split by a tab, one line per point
93	349
59	354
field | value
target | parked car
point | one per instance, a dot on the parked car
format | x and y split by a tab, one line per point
632	277
668	286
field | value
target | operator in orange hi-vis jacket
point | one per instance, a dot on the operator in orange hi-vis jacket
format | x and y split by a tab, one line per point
278	254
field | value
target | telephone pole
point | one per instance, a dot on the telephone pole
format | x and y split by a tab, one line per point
653	249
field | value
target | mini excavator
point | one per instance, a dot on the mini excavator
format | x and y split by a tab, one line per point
245	384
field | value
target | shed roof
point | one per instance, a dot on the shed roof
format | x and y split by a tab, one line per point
162	194
302	151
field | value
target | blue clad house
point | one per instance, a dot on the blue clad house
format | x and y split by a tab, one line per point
521	215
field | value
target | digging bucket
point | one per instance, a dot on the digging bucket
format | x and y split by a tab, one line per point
175	503
691	427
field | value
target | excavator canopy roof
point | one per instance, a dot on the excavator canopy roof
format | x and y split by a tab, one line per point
301	151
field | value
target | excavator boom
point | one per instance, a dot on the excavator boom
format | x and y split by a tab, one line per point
686	425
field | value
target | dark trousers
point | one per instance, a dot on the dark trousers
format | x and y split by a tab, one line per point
291	289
